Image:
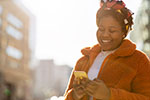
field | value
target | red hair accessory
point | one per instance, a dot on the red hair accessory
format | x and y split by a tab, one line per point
129	14
115	4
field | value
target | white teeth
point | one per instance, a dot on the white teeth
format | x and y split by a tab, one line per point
106	41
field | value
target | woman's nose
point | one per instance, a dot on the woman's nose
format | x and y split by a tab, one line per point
105	34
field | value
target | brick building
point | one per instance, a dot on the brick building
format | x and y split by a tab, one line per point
15	53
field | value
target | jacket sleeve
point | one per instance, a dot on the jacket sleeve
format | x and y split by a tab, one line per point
140	85
80	63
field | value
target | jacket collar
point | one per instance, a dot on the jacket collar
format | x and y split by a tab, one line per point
127	48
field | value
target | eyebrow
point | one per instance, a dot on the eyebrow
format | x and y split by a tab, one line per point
114	26
110	26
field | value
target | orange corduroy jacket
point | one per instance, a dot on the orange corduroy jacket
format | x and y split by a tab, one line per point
126	72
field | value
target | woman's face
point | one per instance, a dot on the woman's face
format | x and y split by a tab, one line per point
109	34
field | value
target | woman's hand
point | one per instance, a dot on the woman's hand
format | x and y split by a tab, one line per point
97	89
78	90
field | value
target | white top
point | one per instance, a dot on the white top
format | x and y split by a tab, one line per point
95	68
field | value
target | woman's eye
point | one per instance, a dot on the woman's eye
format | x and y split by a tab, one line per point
112	31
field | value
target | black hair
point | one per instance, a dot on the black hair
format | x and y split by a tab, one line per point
119	16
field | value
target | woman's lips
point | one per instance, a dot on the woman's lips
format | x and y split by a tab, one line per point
106	41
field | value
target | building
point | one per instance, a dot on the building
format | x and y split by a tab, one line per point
50	79
141	34
15	51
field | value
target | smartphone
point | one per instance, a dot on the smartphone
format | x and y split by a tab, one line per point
80	74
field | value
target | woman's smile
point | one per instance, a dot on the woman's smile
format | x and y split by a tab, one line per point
106	41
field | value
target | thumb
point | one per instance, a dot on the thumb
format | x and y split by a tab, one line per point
97	80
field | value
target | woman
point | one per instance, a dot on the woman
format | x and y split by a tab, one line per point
116	70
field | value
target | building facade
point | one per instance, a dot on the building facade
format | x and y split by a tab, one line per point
50	79
14	49
141	30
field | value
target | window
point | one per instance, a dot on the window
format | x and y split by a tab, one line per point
0	22
14	33
13	52
1	9
14	20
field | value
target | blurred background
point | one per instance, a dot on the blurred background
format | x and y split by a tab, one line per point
40	42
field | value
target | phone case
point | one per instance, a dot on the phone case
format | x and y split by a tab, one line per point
80	74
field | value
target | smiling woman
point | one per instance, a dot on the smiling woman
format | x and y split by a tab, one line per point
116	70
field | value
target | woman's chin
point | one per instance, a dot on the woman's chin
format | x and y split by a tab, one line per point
107	48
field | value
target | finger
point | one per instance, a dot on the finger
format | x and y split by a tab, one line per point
78	93
90	88
91	84
79	90
84	81
78	87
75	84
77	80
97	80
89	92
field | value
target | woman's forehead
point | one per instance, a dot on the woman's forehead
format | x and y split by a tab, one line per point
109	21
